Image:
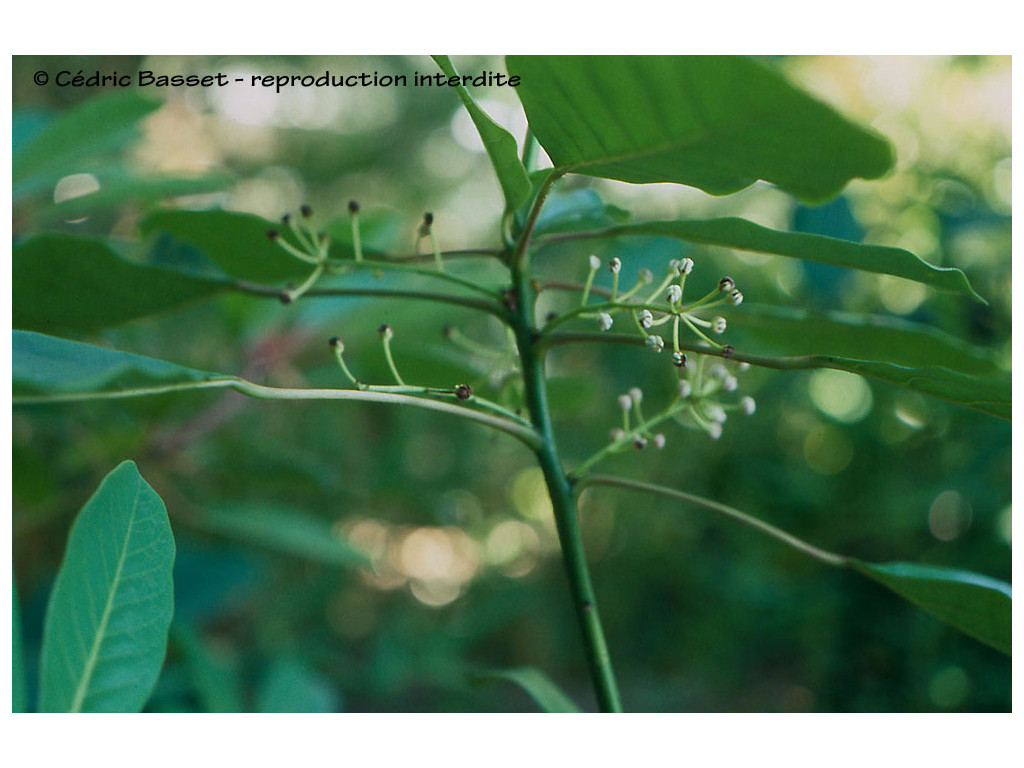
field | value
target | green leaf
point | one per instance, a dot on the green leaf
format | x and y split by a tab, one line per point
216	679
499	143
538	685
48	368
105	632
977	605
285	530
64	146
121	186
291	686
575	211
785	331
746	236
63	282
19	692
988	395
236	242
718	123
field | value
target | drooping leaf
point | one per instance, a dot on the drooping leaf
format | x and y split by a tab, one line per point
499	143
291	686
62	282
235	242
19	692
289	531
747	236
48	368
786	331
977	605
216	679
121	186
66	144
549	697
718	123
105	633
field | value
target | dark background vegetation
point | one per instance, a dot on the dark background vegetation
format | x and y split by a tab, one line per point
700	615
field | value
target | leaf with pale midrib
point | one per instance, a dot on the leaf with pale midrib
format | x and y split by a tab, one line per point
105	633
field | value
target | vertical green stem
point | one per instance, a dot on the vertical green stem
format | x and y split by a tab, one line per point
562	498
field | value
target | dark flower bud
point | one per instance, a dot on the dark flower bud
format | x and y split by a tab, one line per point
306	211
463	391
334	341
726	284
273	234
285	297
353	206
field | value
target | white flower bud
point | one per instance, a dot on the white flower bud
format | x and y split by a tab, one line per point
655	342
639	442
625	402
673	267
616	434
595	262
685	388
659	441
675	294
636	394
679	359
615	265
646	318
604	321
742	366
686	265
729	383
748	405
714	430
736	297
717	413
718	325
646	276
726	284
719	371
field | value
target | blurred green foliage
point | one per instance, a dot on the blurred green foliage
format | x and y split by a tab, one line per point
700	615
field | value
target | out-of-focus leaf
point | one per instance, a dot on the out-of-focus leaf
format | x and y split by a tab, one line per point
217	681
62	282
19	693
49	367
499	143
120	187
714	122
784	331
289	531
576	211
105	634
977	605
65	145
538	685
291	686
236	242
747	236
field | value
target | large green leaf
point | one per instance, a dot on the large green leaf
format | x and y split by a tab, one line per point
19	692
785	331
105	633
62	282
284	530
539	686
236	242
499	143
64	146
714	122
977	605
747	236
46	367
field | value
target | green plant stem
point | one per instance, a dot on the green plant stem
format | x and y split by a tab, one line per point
526	435
563	500
391	266
821	555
